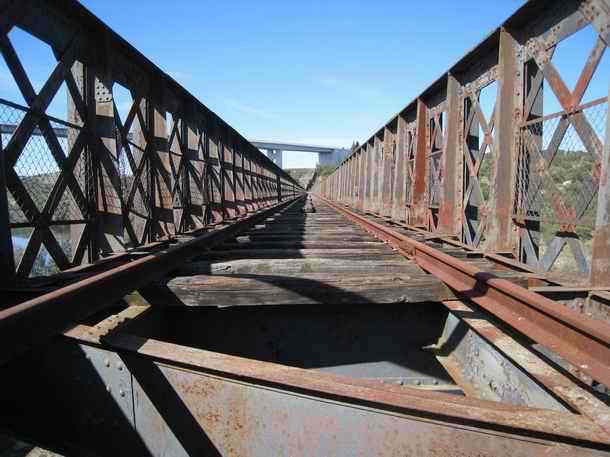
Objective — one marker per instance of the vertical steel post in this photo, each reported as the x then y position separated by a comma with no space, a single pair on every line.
7,259
252,183
377,159
341,176
421,165
348,181
109,212
398,191
600,263
78,231
342,179
239,174
500,234
337,184
178,188
247,180
258,187
387,173
228,180
208,170
355,180
278,185
360,182
194,174
450,210
161,173
367,165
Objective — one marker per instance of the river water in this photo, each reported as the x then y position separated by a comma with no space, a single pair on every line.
44,264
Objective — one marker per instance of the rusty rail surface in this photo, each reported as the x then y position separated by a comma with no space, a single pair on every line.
32,321
478,160
109,202
583,341
184,377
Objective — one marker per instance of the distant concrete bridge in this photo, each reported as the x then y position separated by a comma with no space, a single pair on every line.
275,151
327,155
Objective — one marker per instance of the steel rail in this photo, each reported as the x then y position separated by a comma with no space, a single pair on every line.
32,321
582,341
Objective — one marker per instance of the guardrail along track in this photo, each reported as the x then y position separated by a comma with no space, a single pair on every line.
484,161
167,290
305,318
96,200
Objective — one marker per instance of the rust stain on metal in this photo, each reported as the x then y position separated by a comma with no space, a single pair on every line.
582,341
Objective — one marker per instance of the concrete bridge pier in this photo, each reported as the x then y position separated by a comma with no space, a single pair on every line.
276,155
326,155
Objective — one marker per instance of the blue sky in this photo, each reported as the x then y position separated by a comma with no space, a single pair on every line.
320,72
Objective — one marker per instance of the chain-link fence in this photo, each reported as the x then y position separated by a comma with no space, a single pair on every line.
135,180
557,180
33,196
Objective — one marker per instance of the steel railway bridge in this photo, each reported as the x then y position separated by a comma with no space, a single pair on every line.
168,290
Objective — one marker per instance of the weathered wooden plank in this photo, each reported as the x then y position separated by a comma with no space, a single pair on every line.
300,253
273,244
298,266
292,230
311,288
305,237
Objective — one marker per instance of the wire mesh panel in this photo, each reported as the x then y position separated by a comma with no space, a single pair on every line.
94,163
479,117
560,152
134,165
179,177
44,159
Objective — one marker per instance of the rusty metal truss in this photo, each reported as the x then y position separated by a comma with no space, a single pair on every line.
497,180
101,180
168,291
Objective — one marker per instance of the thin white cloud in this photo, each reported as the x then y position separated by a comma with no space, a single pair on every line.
249,110
350,87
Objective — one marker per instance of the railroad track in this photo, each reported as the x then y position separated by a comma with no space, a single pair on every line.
443,292
303,304
311,254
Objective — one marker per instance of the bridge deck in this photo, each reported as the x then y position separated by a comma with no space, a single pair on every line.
306,301
168,290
